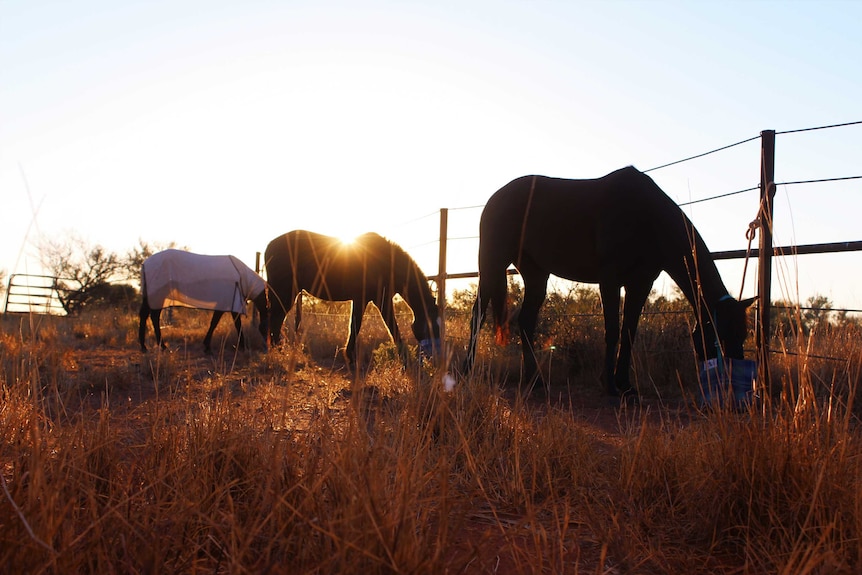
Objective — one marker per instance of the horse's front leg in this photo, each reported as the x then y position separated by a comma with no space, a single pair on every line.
276,320
209,336
535,291
154,315
387,310
356,313
610,295
143,314
237,323
155,319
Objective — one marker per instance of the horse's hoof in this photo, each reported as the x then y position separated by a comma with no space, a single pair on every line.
629,396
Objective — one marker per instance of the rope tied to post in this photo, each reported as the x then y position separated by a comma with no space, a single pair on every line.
750,234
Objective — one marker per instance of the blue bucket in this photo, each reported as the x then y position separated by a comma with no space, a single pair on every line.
728,383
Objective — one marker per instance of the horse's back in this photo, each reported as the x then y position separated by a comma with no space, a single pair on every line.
322,265
622,189
576,228
180,278
326,267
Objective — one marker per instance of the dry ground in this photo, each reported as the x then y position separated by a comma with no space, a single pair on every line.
639,489
134,385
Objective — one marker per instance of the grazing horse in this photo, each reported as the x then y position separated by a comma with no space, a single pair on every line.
218,283
368,269
619,231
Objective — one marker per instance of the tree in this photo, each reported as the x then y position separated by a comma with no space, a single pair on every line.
89,275
791,319
134,258
816,313
82,271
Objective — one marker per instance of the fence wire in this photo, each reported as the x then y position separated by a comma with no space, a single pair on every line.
818,128
819,181
703,154
719,196
686,159
414,220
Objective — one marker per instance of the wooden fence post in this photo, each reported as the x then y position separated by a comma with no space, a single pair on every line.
441,272
764,307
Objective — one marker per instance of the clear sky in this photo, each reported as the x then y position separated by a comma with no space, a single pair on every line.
220,125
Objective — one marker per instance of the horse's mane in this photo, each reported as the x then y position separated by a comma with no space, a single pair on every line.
378,245
406,273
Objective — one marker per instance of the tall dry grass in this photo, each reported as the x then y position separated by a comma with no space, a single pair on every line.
112,461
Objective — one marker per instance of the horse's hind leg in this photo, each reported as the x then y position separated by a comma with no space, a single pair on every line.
636,296
282,303
276,321
209,336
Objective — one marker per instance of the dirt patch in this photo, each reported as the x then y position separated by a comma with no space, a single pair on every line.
289,392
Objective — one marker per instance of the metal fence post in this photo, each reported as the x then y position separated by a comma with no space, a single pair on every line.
764,307
441,271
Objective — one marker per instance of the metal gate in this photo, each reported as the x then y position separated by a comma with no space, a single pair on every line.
33,294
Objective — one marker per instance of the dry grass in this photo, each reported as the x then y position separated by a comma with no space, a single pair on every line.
112,461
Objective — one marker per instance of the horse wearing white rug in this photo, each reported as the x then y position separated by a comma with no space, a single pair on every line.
219,283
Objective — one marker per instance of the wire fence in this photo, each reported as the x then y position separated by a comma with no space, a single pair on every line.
702,155
766,187
444,237
441,275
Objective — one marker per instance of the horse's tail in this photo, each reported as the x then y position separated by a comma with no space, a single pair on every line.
499,297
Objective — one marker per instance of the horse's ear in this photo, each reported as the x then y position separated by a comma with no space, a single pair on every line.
747,302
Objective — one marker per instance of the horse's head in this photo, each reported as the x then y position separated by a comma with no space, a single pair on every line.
416,292
729,323
429,339
426,323
426,329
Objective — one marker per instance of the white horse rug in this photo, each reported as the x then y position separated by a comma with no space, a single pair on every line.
179,278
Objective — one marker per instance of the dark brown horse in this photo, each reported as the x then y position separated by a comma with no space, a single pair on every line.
619,231
369,269
218,283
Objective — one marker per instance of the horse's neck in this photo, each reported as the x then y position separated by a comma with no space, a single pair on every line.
697,276
418,296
